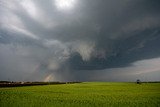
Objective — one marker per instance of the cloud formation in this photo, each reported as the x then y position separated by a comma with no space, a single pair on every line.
66,40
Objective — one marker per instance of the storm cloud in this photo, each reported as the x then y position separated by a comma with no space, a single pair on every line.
79,40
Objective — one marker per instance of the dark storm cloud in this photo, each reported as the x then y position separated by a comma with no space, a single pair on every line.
76,39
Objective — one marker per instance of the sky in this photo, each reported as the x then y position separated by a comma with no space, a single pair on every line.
79,40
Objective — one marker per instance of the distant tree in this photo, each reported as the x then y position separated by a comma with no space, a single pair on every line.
138,81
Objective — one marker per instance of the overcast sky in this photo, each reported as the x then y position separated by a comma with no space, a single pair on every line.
79,40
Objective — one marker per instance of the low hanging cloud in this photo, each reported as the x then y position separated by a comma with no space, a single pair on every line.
66,40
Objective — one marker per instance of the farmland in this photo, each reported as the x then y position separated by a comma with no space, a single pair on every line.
86,94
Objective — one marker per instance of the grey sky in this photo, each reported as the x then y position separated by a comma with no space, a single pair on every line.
79,40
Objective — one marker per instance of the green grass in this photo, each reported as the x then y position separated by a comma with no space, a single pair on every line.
87,94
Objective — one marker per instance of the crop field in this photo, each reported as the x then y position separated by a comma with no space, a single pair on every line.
86,94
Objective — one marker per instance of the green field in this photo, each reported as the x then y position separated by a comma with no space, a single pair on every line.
87,94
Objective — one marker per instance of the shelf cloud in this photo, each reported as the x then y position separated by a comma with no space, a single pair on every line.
79,40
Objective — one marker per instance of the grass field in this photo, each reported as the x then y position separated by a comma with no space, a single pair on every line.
87,94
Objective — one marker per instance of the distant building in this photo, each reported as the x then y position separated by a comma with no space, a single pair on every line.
138,81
